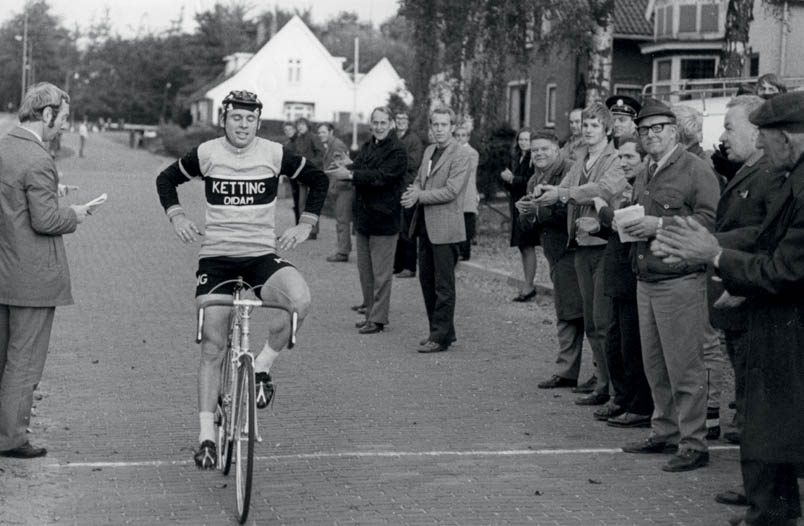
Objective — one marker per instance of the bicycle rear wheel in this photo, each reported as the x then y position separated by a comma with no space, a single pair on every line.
245,437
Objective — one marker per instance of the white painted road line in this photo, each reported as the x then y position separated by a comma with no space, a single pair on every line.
369,454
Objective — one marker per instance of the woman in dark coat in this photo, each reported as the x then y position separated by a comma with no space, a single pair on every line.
515,180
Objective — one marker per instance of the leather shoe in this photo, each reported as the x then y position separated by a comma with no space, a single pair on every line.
338,258
687,460
732,498
431,347
24,451
358,307
524,298
371,328
593,399
713,433
610,410
557,381
629,420
406,274
650,445
360,324
586,387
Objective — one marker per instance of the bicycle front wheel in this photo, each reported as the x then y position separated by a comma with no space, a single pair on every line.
226,401
245,437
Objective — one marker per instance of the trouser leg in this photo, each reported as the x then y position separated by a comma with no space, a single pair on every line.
427,275
27,333
737,345
664,420
442,328
469,224
772,492
406,251
364,272
343,219
641,401
614,356
382,255
679,311
589,268
570,345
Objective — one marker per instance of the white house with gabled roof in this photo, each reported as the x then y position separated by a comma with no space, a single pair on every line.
295,76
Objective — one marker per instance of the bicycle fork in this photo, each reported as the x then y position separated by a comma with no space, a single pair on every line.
245,350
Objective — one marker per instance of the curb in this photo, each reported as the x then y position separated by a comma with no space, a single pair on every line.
474,268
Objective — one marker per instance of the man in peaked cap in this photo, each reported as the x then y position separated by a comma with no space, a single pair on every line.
624,110
670,297
770,276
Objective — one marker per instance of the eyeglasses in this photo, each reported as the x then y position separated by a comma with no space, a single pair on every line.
655,128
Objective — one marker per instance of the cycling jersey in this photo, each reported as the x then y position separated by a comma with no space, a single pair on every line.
240,186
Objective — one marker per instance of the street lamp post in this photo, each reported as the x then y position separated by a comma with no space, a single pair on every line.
164,103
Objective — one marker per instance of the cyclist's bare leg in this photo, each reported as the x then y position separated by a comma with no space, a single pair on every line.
213,343
287,287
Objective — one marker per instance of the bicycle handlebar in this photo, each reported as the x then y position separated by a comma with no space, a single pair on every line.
231,302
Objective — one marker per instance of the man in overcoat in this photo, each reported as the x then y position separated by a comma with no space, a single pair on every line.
771,276
438,190
34,276
377,175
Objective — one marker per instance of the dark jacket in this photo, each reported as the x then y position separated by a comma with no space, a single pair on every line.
414,148
33,263
310,147
379,171
772,278
743,206
551,222
517,188
620,281
684,186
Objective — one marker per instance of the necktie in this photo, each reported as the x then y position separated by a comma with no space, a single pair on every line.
652,170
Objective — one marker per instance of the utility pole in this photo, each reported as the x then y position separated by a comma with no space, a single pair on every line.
24,55
354,99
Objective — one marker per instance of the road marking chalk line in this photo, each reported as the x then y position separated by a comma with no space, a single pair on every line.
368,454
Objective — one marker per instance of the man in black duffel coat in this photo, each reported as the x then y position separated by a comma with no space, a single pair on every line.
771,277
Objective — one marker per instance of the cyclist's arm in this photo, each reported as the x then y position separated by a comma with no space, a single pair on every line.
177,173
302,170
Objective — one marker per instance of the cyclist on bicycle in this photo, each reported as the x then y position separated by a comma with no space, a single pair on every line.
241,172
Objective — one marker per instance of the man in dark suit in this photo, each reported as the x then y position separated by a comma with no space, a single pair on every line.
34,276
438,190
770,275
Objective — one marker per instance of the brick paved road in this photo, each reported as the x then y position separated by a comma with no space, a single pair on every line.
364,429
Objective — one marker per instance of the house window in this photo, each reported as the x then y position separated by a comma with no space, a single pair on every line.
632,90
664,70
518,104
659,22
550,106
686,18
668,20
709,18
698,68
294,70
297,110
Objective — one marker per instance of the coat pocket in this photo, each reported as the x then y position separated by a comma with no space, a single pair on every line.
669,201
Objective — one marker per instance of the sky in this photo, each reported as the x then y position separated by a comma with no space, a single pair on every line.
128,15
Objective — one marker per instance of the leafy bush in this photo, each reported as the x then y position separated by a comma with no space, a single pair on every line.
177,141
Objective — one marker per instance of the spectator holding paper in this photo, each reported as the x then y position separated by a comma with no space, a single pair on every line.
670,296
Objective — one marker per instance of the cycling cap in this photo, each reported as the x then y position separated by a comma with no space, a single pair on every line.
241,100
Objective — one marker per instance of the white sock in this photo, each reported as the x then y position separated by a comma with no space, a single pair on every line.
264,360
207,421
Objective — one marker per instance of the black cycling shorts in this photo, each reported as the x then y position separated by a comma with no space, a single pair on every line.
255,271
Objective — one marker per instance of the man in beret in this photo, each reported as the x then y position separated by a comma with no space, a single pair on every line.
671,297
624,110
770,275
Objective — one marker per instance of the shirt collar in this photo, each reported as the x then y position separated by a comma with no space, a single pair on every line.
38,137
661,162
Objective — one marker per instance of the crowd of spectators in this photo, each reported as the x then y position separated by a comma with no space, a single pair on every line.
618,209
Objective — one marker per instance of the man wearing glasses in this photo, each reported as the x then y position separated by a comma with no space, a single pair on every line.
671,295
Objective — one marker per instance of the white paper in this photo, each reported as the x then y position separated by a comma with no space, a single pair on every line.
626,215
96,203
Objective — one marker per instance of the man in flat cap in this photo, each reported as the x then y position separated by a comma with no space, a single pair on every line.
624,110
671,297
770,274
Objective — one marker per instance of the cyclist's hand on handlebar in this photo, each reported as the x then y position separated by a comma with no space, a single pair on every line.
185,229
295,235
